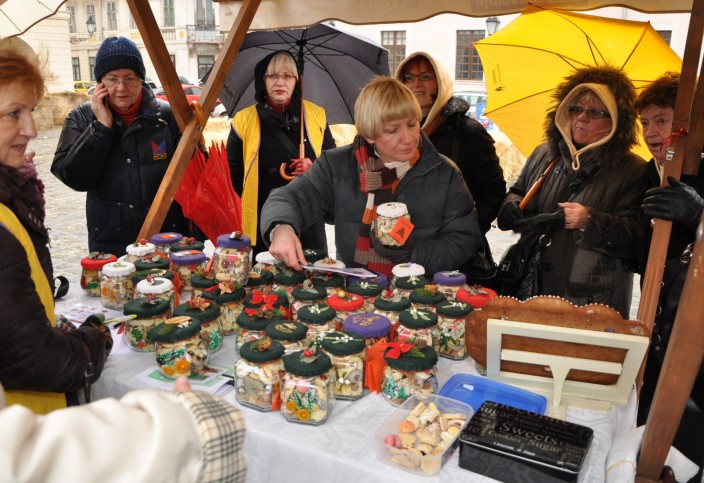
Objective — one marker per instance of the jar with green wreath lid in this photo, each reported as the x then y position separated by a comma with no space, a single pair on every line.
258,374
180,350
149,312
331,282
390,305
406,285
307,387
347,352
153,261
426,297
418,324
290,333
320,319
452,321
410,369
200,282
306,294
207,312
252,323
286,280
230,298
369,291
259,279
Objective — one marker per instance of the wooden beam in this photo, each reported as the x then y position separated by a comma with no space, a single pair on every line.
184,151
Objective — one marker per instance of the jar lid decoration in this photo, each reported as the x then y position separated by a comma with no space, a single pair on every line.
312,255
166,238
407,269
140,275
328,279
265,258
152,260
199,308
258,298
342,343
140,248
259,277
453,308
307,363
367,324
96,260
405,356
200,281
187,257
154,285
343,301
365,289
328,262
391,301
411,282
475,295
118,269
452,279
392,209
428,295
175,329
380,278
288,277
225,292
262,350
236,239
414,318
144,307
308,291
287,330
258,321
187,243
316,314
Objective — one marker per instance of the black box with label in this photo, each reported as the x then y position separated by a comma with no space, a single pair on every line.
513,445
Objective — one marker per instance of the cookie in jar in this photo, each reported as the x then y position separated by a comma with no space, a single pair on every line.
306,391
157,287
320,319
450,282
252,323
258,374
180,350
207,312
348,353
185,264
116,286
410,369
149,312
306,294
290,333
135,251
416,324
373,327
90,274
452,321
388,215
230,298
232,259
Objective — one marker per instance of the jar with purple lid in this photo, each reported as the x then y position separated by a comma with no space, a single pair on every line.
135,251
450,283
185,264
373,327
163,241
380,279
91,267
232,259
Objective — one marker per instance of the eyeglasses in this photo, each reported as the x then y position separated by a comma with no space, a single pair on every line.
423,76
592,113
275,77
127,81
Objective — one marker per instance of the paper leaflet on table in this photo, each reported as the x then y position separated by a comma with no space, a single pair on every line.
78,313
355,272
215,383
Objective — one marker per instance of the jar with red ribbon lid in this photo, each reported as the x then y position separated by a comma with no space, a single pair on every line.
259,311
410,369
230,298
232,259
475,295
307,387
345,304
258,374
91,266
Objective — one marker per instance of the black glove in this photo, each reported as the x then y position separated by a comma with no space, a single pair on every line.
678,202
508,216
95,322
542,223
401,254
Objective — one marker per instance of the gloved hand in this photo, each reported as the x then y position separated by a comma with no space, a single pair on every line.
541,223
401,254
678,202
95,322
300,165
508,216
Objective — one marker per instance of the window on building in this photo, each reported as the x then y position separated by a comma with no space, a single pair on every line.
666,35
76,67
90,10
91,65
169,19
71,19
133,24
467,62
395,42
112,15
205,62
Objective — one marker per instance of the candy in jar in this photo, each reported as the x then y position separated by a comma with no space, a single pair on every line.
229,298
116,286
232,260
320,320
452,321
426,297
207,312
135,251
158,287
180,349
150,312
415,324
347,352
450,282
163,241
186,263
410,369
290,333
344,303
91,266
258,374
387,215
306,294
306,390
373,327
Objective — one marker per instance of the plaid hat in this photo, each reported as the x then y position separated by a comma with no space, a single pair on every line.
118,53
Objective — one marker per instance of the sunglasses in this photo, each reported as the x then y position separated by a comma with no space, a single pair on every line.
592,113
424,76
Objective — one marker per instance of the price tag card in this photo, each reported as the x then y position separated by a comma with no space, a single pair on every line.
402,230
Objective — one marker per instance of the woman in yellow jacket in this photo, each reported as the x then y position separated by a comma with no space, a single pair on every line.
267,134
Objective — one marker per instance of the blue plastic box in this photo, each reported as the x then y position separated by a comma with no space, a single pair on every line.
474,390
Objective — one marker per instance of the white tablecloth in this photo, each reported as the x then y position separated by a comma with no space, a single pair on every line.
343,449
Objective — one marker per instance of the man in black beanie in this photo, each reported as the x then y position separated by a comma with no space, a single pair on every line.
117,147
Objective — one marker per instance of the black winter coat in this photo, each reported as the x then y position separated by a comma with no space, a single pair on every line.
121,169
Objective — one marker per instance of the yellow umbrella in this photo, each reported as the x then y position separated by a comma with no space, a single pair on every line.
524,61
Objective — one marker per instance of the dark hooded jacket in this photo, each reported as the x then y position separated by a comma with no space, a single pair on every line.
121,169
593,265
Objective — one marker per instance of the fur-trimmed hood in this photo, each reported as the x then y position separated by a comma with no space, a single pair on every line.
617,92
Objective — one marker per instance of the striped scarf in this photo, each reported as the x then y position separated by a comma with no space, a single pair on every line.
379,181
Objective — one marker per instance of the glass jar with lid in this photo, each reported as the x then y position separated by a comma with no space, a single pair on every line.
306,390
320,319
306,294
452,321
426,297
406,285
347,352
149,312
201,282
390,305
135,251
230,298
179,348
419,324
268,300
252,324
156,260
258,374
91,266
187,243
409,370
158,287
408,269
260,279
207,312
232,259
475,295
266,261
331,282
373,327
290,333
344,303
450,282
116,286
286,280
163,241
387,215
186,263
140,275
379,278
369,291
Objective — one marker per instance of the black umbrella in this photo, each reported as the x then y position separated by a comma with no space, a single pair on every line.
336,65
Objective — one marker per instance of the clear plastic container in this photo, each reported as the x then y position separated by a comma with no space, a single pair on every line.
387,215
233,258
412,372
116,286
348,354
258,374
307,388
91,267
